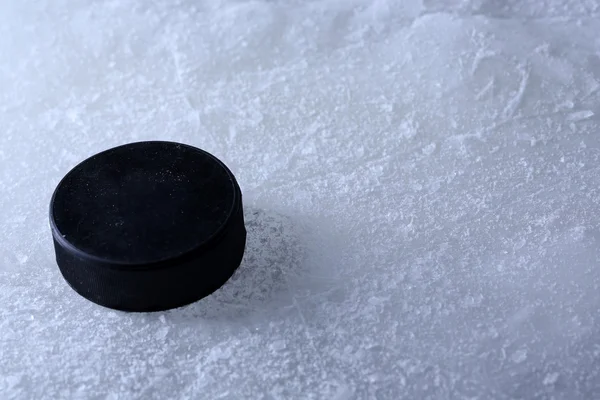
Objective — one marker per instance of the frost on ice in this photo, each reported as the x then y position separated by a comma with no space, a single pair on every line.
421,181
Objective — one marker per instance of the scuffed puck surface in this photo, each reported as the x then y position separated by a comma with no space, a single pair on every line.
144,203
421,193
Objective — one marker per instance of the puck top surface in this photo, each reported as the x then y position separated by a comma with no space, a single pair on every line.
143,203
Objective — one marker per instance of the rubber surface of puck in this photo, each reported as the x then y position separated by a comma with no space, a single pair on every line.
148,226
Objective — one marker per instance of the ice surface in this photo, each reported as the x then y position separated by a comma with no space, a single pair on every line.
421,183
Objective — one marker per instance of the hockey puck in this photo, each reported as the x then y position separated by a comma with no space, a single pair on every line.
148,226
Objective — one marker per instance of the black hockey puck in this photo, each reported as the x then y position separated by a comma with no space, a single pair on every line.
148,226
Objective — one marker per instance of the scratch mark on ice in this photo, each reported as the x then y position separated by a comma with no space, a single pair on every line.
479,57
514,103
486,89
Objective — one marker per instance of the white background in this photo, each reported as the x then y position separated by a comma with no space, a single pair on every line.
421,187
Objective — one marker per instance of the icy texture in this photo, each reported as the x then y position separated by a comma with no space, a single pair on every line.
421,182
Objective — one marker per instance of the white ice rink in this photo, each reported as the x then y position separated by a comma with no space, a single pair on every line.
421,182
